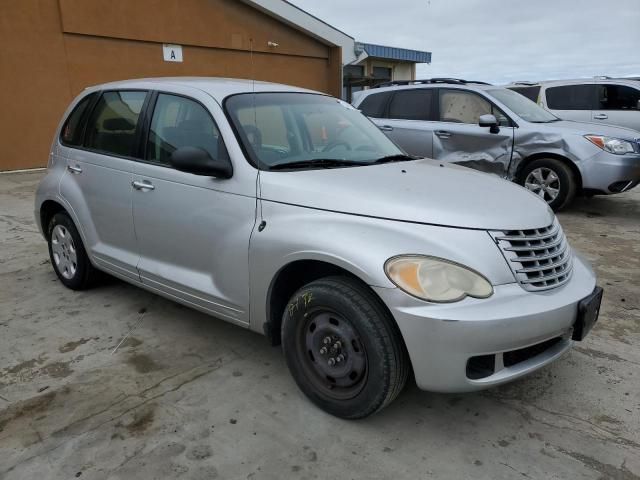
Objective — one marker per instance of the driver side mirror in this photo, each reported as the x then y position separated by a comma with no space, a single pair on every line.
489,121
198,161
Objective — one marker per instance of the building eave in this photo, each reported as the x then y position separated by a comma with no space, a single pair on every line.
301,20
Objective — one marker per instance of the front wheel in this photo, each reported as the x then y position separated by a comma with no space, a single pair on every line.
342,347
550,179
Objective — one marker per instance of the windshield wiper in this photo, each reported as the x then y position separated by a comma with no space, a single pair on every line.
396,158
316,162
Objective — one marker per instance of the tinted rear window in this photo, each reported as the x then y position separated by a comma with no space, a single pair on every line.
74,126
412,104
530,92
373,105
571,97
113,123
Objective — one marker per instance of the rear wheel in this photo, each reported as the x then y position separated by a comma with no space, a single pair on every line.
342,348
550,179
67,254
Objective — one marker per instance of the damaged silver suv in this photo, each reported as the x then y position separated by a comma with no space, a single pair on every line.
497,130
287,212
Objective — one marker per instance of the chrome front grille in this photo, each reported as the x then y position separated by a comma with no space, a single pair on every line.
539,258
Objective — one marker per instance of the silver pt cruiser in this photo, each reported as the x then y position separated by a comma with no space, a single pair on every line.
288,212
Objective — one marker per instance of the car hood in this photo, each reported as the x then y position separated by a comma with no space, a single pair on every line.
588,128
420,191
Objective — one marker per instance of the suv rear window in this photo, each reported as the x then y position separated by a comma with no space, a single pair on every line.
415,104
571,97
71,134
373,105
530,92
113,124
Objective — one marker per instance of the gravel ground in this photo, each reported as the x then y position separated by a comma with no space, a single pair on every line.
188,396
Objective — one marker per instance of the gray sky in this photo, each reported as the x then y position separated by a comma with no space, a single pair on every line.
498,40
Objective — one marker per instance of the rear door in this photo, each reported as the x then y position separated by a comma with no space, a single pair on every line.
97,183
618,105
572,102
458,137
409,120
193,231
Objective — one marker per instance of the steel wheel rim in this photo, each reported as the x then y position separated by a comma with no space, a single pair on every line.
332,355
63,250
544,182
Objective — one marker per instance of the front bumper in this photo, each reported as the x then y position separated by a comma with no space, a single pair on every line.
442,338
609,173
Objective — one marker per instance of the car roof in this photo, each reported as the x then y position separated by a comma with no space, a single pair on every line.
361,95
218,88
574,81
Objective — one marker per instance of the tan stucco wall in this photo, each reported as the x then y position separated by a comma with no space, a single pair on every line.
52,49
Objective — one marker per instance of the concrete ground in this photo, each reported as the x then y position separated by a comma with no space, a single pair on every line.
188,396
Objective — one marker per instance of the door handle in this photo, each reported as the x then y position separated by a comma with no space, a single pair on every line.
443,134
143,185
601,116
75,170
386,128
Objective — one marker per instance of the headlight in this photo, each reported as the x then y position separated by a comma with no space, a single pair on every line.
436,279
611,145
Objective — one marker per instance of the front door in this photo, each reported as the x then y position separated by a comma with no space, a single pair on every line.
193,231
458,138
98,181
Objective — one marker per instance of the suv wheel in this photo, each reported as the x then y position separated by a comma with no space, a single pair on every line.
67,253
342,348
550,179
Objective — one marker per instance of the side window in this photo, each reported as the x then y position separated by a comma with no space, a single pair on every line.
71,134
459,106
373,105
412,104
530,92
112,126
618,97
571,97
180,122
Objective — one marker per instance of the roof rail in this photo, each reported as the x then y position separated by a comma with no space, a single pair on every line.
525,82
455,81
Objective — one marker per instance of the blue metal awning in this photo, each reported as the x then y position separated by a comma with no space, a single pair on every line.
392,53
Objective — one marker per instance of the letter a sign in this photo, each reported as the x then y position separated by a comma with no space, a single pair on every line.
172,53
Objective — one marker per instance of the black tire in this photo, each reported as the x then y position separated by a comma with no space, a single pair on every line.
566,181
78,274
367,331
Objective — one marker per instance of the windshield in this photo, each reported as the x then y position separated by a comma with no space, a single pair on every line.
522,106
277,129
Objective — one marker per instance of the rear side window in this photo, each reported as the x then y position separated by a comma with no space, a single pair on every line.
112,126
571,97
71,134
415,104
373,105
530,92
179,122
618,97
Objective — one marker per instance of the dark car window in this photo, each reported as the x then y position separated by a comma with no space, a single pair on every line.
112,126
571,97
530,92
72,131
374,104
180,122
415,104
618,97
